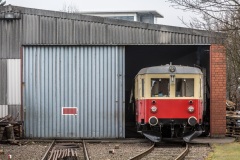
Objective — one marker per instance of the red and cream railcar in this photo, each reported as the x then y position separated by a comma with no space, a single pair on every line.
169,102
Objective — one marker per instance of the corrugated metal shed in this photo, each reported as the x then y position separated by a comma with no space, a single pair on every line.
72,35
41,27
88,78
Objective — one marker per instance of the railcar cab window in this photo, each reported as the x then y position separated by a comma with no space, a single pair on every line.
184,87
160,87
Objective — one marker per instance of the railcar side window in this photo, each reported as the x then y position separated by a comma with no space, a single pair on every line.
184,87
160,87
142,87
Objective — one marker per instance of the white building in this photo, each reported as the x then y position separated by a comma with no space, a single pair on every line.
140,16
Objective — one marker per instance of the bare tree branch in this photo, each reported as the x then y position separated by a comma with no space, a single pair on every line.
224,16
2,3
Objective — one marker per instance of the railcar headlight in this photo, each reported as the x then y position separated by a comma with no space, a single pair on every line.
153,121
172,68
190,109
192,120
154,109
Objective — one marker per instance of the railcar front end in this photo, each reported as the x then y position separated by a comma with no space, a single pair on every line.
169,102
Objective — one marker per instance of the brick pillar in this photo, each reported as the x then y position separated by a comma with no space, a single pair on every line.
217,91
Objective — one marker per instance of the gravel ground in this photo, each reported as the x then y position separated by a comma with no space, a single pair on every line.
26,151
30,150
109,151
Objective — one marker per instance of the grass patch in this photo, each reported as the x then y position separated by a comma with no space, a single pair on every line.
229,151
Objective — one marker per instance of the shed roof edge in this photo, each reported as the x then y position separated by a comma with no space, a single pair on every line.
96,19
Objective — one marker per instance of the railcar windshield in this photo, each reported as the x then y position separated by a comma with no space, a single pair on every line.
184,87
160,87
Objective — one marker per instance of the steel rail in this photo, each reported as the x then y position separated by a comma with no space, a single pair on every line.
183,154
48,150
143,154
85,150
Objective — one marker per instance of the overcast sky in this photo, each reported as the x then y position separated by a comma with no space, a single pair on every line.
171,15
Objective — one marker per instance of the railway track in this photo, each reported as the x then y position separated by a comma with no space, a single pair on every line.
121,149
198,151
165,151
66,151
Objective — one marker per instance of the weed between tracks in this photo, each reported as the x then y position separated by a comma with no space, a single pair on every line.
230,151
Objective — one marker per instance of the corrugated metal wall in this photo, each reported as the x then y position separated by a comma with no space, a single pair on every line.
10,39
14,81
3,110
3,82
15,112
89,78
10,95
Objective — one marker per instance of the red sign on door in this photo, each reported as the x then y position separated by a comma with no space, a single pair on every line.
69,110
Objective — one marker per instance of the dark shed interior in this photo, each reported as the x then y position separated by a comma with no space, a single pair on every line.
138,57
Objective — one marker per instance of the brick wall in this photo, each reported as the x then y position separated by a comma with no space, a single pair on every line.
217,91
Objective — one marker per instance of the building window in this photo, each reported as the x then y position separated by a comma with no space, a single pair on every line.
160,87
184,87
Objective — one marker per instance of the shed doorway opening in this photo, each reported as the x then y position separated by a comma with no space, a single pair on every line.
138,57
